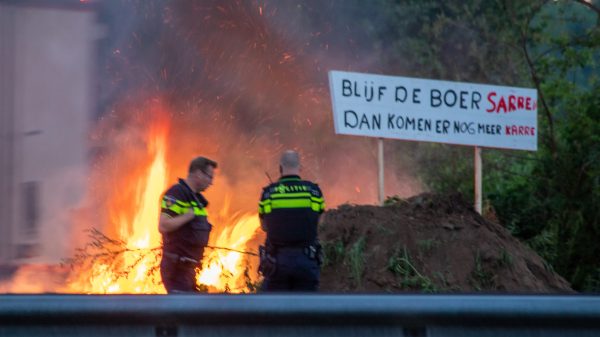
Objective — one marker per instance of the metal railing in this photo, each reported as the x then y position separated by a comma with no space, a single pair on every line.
300,315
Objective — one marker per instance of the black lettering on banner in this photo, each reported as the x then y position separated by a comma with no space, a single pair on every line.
395,122
424,124
451,98
361,121
463,99
380,92
364,121
435,98
408,123
490,129
377,121
346,88
400,122
374,123
480,128
369,91
475,101
464,127
350,119
415,95
441,126
404,93
350,88
450,101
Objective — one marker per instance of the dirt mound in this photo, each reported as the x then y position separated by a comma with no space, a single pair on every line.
429,243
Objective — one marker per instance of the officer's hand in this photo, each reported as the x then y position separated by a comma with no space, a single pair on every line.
191,214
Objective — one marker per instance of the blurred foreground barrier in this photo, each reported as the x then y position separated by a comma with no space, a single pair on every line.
299,315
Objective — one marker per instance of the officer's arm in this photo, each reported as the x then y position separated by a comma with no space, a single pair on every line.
168,223
318,198
264,207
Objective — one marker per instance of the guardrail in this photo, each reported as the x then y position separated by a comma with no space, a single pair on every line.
300,315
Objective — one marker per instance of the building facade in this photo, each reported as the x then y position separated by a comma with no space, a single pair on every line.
46,107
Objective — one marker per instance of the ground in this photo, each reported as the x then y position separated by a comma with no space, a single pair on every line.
427,243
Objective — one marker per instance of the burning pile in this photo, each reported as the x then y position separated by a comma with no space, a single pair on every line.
234,81
130,264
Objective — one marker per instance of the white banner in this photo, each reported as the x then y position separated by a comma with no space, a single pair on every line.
434,111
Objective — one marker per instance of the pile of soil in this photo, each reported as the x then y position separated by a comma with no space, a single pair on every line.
427,243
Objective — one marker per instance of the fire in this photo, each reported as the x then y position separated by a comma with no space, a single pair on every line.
134,266
222,269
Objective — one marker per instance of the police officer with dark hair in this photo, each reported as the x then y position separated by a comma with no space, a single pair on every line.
289,212
184,226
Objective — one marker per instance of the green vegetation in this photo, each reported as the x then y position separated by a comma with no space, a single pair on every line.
401,264
336,253
356,260
333,252
392,200
506,260
548,198
482,279
426,246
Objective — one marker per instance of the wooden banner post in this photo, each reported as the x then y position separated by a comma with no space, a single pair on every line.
380,164
478,184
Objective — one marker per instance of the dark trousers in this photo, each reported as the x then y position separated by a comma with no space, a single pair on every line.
177,277
295,271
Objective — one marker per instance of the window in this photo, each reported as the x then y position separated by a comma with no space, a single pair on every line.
30,207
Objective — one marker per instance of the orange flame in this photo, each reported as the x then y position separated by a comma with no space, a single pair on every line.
136,270
222,269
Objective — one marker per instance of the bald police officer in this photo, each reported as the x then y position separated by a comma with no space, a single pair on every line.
289,211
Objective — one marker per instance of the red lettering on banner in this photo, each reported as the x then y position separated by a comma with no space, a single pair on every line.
501,105
520,102
510,103
490,99
519,130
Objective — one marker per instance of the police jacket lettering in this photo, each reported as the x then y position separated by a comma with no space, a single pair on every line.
289,211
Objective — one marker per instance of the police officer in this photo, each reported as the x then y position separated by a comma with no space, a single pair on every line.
289,211
184,227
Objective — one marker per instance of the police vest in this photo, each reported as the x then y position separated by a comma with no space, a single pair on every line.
190,239
289,210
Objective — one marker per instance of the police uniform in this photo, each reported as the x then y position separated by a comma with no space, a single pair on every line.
289,210
183,248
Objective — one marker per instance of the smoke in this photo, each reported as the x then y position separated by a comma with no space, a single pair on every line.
244,80
238,82
235,81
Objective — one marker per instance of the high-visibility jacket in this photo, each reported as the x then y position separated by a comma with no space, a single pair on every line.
289,211
190,239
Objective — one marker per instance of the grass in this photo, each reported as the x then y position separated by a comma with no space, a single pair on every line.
426,246
482,279
356,260
401,264
506,260
333,252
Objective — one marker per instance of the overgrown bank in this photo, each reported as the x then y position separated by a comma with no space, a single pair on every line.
428,243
